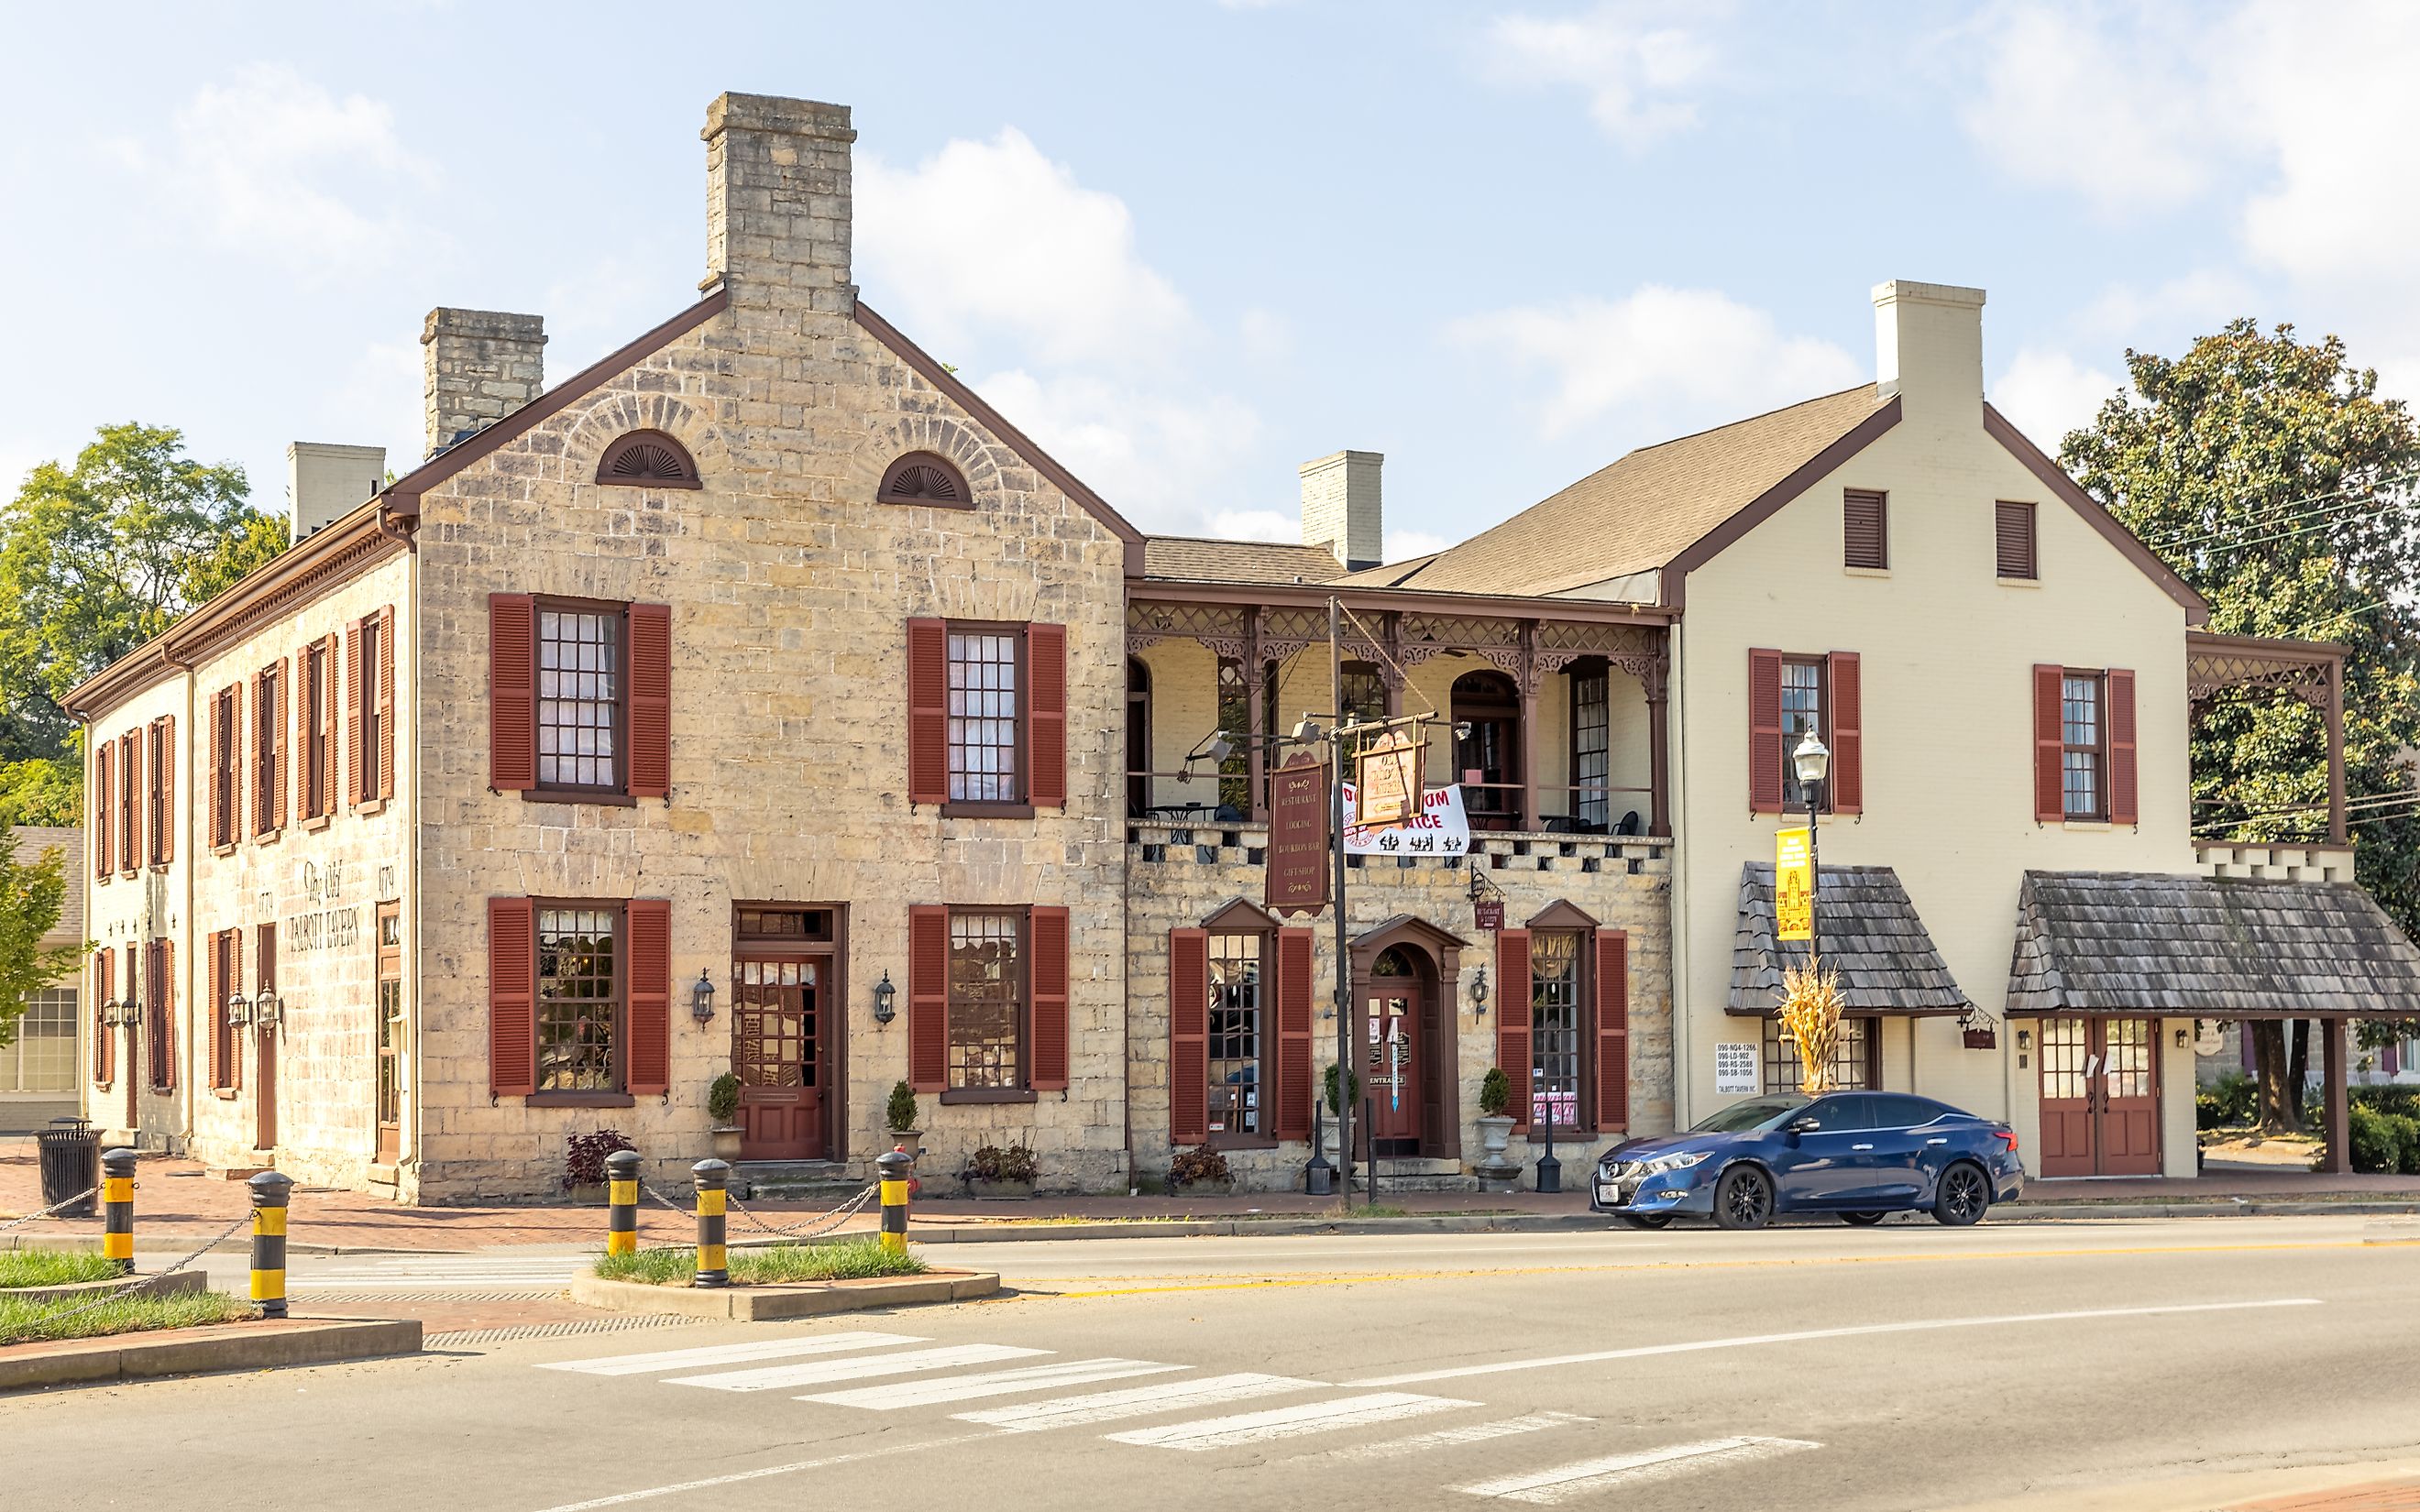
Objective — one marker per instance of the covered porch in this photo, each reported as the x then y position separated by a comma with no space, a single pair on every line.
1551,724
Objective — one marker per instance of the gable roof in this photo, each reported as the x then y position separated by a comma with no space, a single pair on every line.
1196,559
1656,502
1870,935
2054,478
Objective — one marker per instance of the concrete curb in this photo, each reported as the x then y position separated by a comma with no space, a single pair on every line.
159,1286
259,1345
802,1299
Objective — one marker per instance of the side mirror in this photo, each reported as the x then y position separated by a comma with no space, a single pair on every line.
1805,1123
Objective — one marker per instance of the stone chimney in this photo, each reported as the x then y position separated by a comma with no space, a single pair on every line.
1340,512
325,481
777,203
1928,350
479,367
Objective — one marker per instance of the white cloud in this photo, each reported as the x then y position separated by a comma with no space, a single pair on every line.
272,164
2196,301
2046,394
1165,461
1669,358
1256,525
1634,66
992,238
1403,544
1267,335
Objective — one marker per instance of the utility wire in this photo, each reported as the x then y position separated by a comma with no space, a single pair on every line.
2283,509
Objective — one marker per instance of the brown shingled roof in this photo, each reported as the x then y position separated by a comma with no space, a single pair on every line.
1870,935
1192,559
1649,507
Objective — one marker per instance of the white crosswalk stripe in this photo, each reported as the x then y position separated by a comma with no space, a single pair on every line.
900,1393
1550,1488
1503,1428
1136,1401
637,1364
1289,1422
780,1376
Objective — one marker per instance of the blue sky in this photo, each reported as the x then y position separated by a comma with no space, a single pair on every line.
1188,244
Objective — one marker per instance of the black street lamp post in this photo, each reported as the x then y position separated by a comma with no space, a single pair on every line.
1813,761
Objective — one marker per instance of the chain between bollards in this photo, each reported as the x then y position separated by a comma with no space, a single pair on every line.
118,1209
713,1178
271,1192
622,1202
896,1167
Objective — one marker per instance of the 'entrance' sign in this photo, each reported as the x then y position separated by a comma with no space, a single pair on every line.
1298,871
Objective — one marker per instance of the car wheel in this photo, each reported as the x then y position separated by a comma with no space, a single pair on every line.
1647,1220
1743,1198
1863,1220
1963,1194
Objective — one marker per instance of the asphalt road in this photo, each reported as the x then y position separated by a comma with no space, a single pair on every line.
1818,1367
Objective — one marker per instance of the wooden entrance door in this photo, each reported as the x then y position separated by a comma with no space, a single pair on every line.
2100,1096
774,1053
389,1033
1391,1064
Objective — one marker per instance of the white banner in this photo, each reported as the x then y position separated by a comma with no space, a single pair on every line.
1443,827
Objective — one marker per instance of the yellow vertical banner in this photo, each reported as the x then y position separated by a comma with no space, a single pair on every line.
1794,886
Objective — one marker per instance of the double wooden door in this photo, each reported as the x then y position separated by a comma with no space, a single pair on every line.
776,1052
2100,1096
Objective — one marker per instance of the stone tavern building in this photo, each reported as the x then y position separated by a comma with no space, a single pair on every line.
760,699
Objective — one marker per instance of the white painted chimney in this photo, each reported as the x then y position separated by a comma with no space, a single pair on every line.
1340,508
1928,350
324,481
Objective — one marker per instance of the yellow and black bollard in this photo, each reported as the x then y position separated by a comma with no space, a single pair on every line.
118,1209
711,1175
622,1202
271,1190
896,1167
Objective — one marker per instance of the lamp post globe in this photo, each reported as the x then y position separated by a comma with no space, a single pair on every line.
1813,760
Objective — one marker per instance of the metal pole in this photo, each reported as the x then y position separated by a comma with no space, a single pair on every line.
1343,950
1550,1170
1814,880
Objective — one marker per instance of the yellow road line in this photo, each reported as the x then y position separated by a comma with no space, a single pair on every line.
1351,1278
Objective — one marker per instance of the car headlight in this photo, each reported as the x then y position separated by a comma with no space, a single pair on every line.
1677,1160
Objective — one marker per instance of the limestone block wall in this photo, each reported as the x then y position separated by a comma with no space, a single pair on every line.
1180,875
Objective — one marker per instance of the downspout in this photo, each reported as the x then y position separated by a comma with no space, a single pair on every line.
1126,919
1676,765
185,860
407,1153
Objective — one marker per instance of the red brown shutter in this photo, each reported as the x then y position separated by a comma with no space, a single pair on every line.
1612,1031
1047,1063
2123,807
385,785
1848,734
928,998
217,1010
163,816
648,1069
512,691
2050,802
216,788
651,701
1512,997
104,1038
167,1015
2013,540
512,993
101,815
357,757
1045,716
1764,732
1188,1036
928,711
1294,1034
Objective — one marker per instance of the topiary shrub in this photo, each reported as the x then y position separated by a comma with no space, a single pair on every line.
900,1112
1495,1093
722,1098
1352,1085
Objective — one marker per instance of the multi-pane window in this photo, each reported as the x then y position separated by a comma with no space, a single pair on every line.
579,698
1555,1028
1592,745
1236,1030
319,793
1235,720
1853,1056
579,998
226,779
2081,753
155,795
1802,710
43,1058
983,717
1365,694
130,810
368,716
986,998
268,749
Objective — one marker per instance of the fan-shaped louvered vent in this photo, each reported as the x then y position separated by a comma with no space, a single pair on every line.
923,478
647,459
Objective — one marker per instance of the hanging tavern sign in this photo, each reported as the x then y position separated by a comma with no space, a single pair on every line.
1387,779
1297,872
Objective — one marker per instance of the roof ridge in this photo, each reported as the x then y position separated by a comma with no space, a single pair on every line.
1744,420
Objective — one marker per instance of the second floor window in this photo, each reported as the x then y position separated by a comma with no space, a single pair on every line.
1592,744
1802,710
984,710
2082,749
578,698
162,794
227,767
269,751
319,712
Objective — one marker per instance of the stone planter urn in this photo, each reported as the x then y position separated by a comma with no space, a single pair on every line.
999,1191
910,1140
1207,1189
1497,1171
726,1141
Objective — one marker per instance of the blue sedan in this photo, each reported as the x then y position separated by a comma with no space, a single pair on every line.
1856,1154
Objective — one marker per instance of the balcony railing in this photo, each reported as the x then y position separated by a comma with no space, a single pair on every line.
2276,861
1212,842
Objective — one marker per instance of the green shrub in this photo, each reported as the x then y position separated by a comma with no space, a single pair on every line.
2392,1098
1352,1088
2227,1103
722,1098
2378,1139
900,1112
1496,1093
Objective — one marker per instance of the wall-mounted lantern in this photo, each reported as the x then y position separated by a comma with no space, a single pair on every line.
701,998
267,1008
884,999
239,1010
1479,992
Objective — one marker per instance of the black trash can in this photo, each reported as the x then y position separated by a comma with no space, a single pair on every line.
70,1152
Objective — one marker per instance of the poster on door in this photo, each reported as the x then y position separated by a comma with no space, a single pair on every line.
1443,827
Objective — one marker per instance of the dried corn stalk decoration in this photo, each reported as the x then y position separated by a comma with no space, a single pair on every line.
1810,1015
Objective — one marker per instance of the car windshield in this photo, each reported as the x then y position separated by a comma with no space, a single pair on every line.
1756,1113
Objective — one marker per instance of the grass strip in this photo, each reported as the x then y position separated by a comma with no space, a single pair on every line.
849,1260
24,1320
52,1267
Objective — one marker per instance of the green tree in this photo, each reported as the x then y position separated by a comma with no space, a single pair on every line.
31,895
96,559
2272,475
